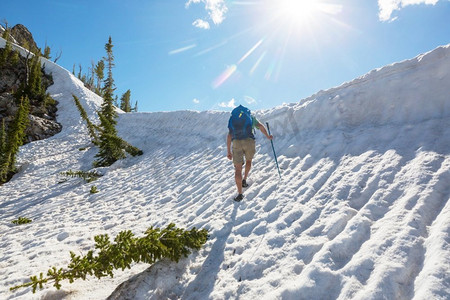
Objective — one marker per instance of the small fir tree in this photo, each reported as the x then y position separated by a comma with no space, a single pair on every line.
46,52
108,110
14,139
110,150
110,147
14,58
6,29
99,73
87,176
80,71
7,50
21,221
35,89
125,101
91,79
116,141
94,190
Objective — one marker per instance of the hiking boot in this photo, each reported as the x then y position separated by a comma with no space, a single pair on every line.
244,183
238,198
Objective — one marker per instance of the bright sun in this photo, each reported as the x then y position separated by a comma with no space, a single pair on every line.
297,11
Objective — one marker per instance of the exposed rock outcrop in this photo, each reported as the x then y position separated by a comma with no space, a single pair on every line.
24,37
21,36
42,116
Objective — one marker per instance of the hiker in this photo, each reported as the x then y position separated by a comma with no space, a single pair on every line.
240,126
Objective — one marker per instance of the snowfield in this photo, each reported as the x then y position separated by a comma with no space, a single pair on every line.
362,210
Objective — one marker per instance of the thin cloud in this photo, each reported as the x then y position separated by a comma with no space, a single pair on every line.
191,1
229,104
250,100
196,101
387,7
216,9
199,23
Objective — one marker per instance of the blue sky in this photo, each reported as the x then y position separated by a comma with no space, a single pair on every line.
211,54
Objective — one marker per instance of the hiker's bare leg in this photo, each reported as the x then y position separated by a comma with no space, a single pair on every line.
248,166
238,177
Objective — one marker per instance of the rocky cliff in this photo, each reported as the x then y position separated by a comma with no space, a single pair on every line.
42,116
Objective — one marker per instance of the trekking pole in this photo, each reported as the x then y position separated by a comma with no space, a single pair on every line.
274,154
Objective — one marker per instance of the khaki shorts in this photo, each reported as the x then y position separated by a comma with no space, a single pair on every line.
243,148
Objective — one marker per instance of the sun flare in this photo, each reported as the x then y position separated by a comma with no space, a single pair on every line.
297,10
282,27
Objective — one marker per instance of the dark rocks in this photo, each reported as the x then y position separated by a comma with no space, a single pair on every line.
12,76
41,128
42,116
24,37
8,106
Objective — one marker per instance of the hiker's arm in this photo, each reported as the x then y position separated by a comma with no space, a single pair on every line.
229,155
264,131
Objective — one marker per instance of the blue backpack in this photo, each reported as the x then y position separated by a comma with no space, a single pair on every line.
240,123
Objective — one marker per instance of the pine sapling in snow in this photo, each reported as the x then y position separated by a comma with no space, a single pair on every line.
21,221
94,190
172,243
87,176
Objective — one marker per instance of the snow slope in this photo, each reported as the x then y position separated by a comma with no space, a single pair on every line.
361,212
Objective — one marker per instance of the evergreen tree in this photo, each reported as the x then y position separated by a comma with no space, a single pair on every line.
80,69
91,76
14,139
84,79
5,33
35,90
7,50
107,109
32,87
91,127
14,57
104,135
171,243
110,150
99,72
47,52
125,102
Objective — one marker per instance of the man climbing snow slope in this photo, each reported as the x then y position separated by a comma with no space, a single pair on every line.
240,133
